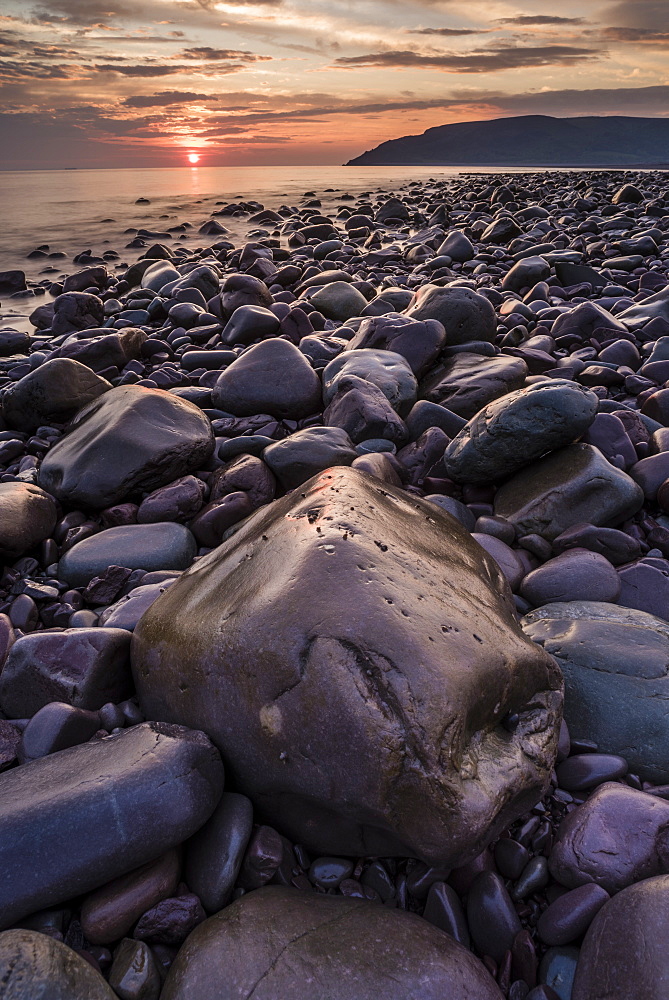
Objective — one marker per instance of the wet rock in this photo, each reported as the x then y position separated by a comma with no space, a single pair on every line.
214,855
493,921
465,314
134,974
249,323
167,779
468,382
52,392
99,353
130,440
210,525
624,952
354,650
274,941
247,474
240,290
570,915
83,667
444,910
76,311
262,859
362,410
34,966
304,454
55,727
171,920
272,377
137,546
418,342
388,371
27,516
614,663
567,487
557,970
616,837
586,770
517,429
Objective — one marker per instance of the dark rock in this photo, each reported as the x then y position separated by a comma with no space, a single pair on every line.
587,770
339,300
493,921
614,665
272,377
363,411
100,353
247,474
388,371
306,453
52,392
465,314
275,941
467,382
249,323
210,525
624,953
164,779
327,873
214,855
84,667
418,342
557,970
170,921
644,585
570,915
134,974
575,575
262,858
12,281
165,545
444,910
178,501
27,517
616,837
55,727
128,441
570,486
616,546
353,649
517,429
76,311
34,966
240,290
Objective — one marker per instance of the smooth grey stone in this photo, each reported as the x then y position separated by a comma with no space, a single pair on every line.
390,372
305,453
467,382
271,377
444,909
214,855
126,612
533,878
526,273
34,966
518,428
615,666
320,566
458,247
163,545
570,486
159,274
424,414
419,341
465,314
78,818
249,323
338,300
277,942
247,444
624,953
570,915
361,409
130,440
52,392
83,667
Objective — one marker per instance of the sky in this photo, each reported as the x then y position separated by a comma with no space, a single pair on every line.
118,83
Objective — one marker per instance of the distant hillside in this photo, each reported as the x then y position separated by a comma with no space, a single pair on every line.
530,141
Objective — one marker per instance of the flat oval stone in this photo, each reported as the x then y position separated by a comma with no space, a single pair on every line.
348,637
27,517
492,918
575,575
517,429
616,837
165,780
614,661
128,441
273,942
624,953
567,487
214,855
587,770
34,966
164,545
570,915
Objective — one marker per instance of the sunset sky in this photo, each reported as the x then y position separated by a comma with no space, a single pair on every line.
95,83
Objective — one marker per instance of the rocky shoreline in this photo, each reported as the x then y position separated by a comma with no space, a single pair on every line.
334,611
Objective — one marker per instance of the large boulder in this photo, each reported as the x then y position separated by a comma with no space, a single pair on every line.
571,486
467,382
624,954
466,315
127,442
518,428
27,516
355,654
34,966
280,943
51,393
74,820
615,663
271,377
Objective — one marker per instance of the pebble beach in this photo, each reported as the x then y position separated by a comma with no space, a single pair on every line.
334,604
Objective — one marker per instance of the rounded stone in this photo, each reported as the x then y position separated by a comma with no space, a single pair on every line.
34,966
52,392
465,314
364,596
128,441
280,943
214,855
27,517
388,371
575,575
339,301
467,381
271,377
164,545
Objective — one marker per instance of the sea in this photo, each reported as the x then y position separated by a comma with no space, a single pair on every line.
72,211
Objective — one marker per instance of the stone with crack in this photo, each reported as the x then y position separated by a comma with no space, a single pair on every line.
355,656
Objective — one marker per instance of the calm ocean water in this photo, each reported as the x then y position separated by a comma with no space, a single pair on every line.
65,208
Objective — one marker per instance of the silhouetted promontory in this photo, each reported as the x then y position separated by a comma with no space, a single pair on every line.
530,140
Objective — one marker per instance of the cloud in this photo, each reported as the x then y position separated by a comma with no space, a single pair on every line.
637,36
526,20
478,60
206,52
147,70
166,98
448,32
650,14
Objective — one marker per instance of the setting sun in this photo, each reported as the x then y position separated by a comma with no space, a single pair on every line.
193,158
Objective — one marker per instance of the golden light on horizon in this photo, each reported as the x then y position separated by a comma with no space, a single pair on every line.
193,158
